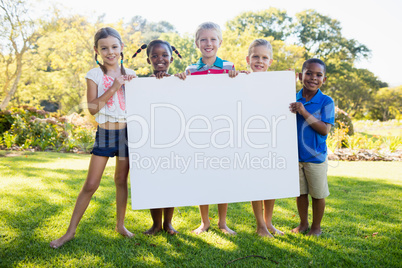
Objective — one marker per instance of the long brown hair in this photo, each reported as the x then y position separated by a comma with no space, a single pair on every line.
104,33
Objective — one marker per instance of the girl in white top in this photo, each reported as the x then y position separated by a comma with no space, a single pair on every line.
106,100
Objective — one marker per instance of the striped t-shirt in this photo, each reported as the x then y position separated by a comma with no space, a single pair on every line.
219,67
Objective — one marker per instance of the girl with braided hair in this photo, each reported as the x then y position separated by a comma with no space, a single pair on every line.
106,100
160,56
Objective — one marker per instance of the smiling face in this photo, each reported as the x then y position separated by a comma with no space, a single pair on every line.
109,49
208,43
259,59
313,76
160,58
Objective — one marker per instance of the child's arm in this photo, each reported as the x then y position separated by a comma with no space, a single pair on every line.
95,103
321,127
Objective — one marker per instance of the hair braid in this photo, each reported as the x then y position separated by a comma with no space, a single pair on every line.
144,46
155,42
123,71
103,68
176,51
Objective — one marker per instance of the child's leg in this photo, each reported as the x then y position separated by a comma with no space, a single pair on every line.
318,213
269,210
96,168
156,214
120,180
318,190
302,207
204,211
167,221
222,212
258,213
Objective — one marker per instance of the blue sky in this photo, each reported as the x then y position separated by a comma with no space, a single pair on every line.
376,24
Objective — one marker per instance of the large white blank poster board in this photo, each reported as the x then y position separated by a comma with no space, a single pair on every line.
211,139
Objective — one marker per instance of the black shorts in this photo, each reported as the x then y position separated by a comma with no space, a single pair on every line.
110,143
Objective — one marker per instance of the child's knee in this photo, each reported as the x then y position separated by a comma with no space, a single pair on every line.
90,187
120,180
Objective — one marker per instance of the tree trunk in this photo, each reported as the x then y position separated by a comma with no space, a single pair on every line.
14,87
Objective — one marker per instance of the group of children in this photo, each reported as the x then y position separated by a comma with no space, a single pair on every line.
105,96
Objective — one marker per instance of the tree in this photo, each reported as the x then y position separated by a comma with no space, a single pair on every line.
150,30
138,24
17,34
270,22
321,37
187,49
387,104
59,52
285,56
352,89
62,55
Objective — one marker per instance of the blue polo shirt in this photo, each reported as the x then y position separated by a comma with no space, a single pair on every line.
220,66
313,146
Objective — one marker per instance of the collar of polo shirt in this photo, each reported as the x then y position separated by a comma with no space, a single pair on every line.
218,63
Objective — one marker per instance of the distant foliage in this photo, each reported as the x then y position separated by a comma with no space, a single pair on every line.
30,128
53,67
339,137
386,104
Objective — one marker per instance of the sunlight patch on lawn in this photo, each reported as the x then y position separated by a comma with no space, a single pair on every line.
217,241
367,169
60,163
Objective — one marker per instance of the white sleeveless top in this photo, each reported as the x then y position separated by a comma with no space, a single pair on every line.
115,108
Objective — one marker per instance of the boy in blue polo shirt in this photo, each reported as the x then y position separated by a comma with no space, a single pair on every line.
208,39
315,115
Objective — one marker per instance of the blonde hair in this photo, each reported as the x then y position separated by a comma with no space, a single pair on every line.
208,26
261,42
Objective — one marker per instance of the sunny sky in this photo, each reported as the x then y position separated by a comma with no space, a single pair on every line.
375,24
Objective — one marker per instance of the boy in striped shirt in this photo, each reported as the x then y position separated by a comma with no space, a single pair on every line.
208,39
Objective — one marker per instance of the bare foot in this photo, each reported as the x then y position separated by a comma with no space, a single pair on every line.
201,229
169,229
299,229
225,229
275,231
314,232
61,241
263,231
153,230
124,232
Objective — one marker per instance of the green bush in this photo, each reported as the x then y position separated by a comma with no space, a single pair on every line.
6,121
339,134
342,120
393,143
364,138
29,127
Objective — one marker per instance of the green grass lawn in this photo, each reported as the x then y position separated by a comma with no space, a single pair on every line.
361,225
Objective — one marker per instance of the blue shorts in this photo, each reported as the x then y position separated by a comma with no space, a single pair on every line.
110,143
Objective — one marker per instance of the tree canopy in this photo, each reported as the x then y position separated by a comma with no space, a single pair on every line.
47,63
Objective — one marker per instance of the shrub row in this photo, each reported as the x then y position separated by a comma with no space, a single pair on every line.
31,128
339,138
